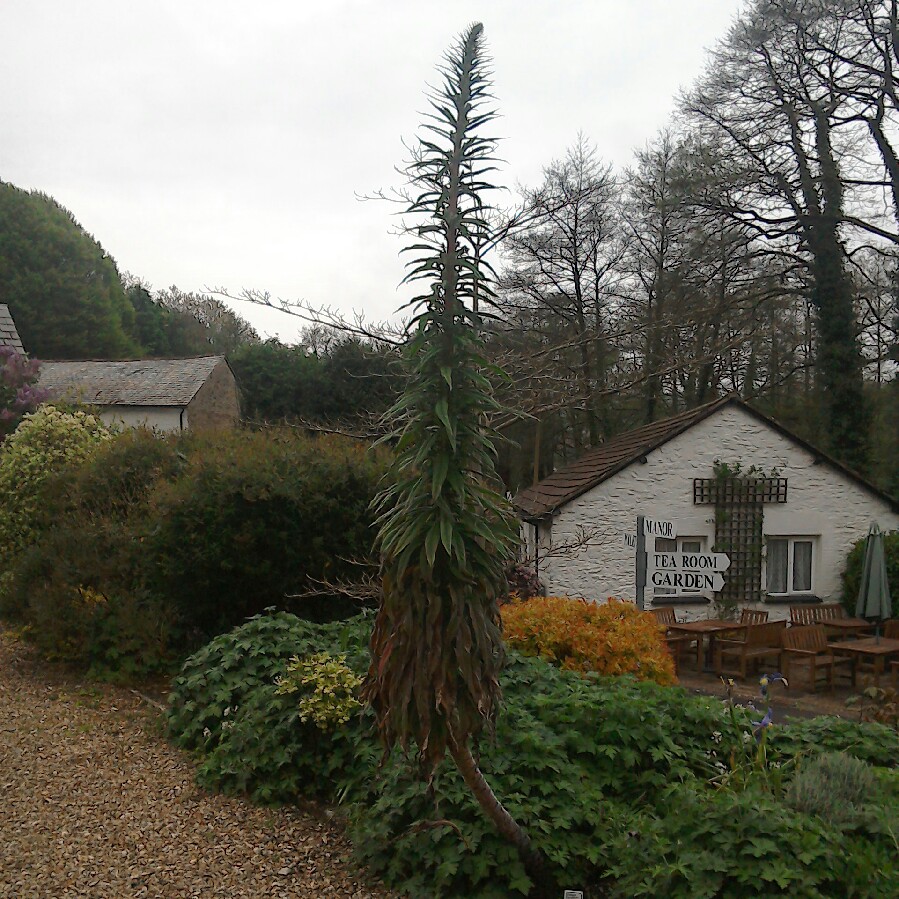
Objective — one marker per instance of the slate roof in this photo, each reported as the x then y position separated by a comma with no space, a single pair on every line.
9,336
599,464
141,382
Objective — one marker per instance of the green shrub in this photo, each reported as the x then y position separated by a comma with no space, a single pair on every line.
46,442
852,574
255,517
88,543
735,845
831,786
225,705
183,536
876,744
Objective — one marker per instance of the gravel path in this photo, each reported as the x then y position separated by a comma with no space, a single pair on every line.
93,802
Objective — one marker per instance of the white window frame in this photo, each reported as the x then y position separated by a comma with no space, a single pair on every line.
791,541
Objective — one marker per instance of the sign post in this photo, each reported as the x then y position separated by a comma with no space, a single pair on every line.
678,571
689,561
655,527
641,563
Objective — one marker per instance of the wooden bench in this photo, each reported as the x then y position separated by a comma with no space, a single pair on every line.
808,645
758,642
832,616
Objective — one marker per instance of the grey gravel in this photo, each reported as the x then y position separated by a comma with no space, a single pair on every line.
94,802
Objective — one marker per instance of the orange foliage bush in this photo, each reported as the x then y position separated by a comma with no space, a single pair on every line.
608,638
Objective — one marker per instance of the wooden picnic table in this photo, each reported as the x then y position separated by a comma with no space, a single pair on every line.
706,627
873,649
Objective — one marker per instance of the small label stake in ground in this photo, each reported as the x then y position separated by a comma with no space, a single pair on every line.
573,894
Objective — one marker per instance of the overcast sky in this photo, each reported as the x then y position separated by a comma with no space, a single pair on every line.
209,142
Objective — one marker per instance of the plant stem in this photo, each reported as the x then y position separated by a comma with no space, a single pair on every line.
496,812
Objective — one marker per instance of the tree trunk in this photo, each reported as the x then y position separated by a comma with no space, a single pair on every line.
504,823
840,360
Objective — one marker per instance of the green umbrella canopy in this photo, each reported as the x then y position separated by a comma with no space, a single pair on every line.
874,591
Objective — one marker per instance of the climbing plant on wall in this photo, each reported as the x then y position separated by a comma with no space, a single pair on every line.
739,497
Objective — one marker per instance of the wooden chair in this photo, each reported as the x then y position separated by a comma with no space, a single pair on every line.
803,616
676,642
891,629
747,617
753,616
808,645
759,641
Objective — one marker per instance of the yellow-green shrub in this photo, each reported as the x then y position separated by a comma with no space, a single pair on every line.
609,638
45,443
326,688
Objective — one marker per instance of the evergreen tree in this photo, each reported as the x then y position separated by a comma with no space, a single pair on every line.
62,288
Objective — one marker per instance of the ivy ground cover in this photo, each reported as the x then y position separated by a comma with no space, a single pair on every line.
628,788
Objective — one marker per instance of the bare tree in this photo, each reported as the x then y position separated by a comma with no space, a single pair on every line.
558,285
784,131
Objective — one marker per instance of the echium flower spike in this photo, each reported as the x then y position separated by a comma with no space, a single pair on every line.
445,529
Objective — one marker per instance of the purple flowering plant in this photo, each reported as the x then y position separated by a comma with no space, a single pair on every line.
18,393
749,759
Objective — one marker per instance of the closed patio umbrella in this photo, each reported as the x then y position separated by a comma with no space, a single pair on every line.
873,600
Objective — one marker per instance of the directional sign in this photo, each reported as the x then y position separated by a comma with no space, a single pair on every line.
689,561
686,580
654,527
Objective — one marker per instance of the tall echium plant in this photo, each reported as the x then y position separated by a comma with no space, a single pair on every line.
445,529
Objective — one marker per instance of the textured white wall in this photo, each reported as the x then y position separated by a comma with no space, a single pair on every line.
820,501
162,418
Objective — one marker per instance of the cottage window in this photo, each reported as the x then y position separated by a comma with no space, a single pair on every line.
678,545
789,564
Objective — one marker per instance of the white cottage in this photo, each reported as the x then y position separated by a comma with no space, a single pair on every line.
730,479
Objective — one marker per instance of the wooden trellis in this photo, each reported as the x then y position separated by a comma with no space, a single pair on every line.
739,513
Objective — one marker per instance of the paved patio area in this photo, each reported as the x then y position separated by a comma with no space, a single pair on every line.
794,701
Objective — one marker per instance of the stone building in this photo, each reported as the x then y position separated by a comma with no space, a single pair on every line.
164,394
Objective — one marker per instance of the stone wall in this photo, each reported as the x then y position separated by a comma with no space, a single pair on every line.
216,404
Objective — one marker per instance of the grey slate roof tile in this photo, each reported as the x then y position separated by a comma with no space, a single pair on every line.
9,336
141,382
